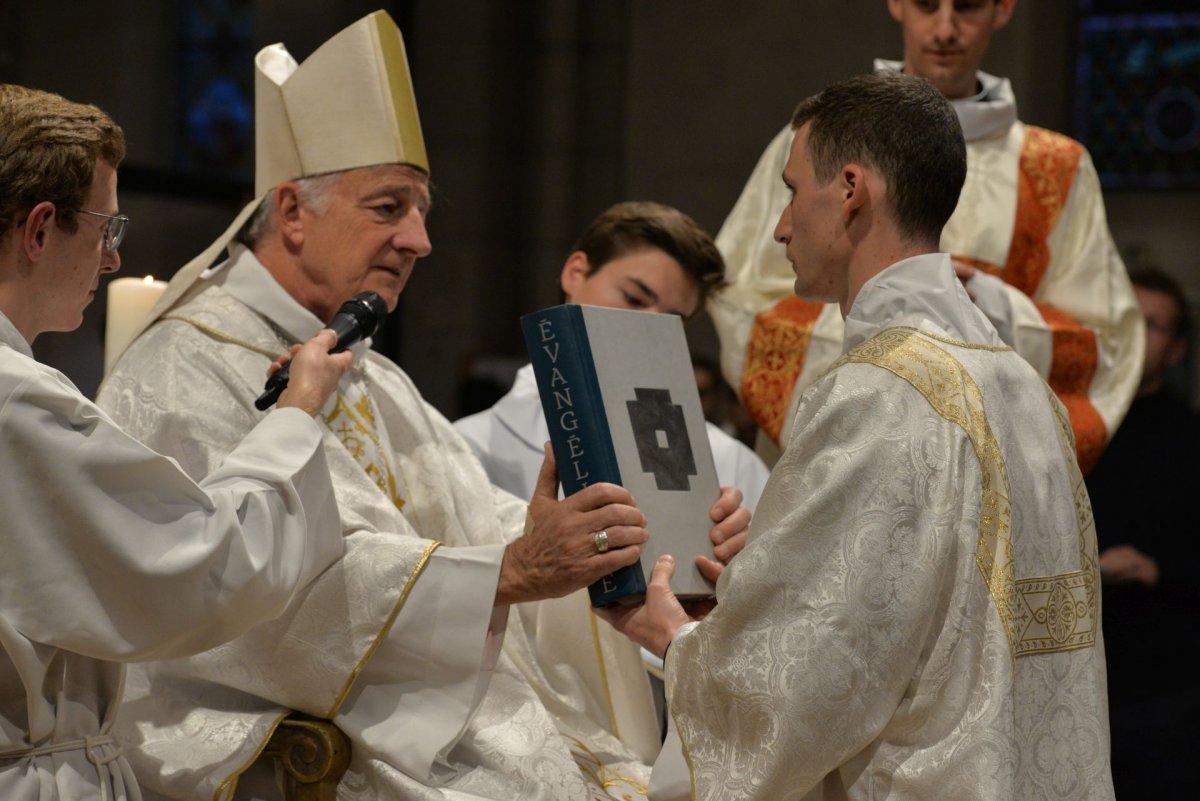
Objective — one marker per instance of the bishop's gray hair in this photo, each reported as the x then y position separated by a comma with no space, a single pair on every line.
316,192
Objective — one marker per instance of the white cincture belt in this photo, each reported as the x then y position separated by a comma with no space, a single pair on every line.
90,747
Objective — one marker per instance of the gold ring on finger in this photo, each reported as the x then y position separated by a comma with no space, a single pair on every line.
601,539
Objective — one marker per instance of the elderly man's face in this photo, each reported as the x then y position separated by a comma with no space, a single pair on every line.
368,238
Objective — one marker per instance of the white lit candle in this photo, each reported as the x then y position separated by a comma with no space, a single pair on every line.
129,301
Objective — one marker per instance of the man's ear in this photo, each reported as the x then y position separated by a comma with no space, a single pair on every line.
574,272
287,209
1004,12
896,9
40,225
853,187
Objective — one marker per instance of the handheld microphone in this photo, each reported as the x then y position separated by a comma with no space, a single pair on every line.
357,319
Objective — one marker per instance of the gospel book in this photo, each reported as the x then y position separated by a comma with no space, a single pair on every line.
621,403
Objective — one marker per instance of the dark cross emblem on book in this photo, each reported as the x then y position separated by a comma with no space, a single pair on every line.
662,438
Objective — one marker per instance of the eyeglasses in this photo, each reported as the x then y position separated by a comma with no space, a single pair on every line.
114,228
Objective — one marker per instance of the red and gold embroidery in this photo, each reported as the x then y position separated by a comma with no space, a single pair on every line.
1048,165
1071,372
774,359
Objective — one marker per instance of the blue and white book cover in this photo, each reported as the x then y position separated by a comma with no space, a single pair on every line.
652,414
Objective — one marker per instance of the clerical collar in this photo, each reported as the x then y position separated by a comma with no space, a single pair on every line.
921,291
991,111
244,277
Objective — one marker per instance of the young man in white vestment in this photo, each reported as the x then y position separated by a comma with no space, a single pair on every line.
1029,238
915,614
408,645
111,553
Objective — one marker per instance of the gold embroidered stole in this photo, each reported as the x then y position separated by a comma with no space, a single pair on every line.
354,421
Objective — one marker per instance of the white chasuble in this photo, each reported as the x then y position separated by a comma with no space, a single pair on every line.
916,612
398,644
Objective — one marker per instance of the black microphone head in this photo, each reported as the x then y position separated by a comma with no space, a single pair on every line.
357,319
367,309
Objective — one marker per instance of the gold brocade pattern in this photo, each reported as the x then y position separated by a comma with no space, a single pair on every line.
1078,595
1048,164
1076,358
352,419
1039,614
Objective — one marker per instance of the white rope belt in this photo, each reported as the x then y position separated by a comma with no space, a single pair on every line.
89,745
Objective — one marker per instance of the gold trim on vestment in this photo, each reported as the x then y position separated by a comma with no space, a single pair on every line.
228,786
1040,614
1074,594
221,335
361,421
958,343
598,772
383,631
612,712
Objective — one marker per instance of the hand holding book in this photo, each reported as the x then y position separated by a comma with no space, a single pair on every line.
653,622
557,555
728,535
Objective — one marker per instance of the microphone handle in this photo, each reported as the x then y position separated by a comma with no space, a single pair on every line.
276,384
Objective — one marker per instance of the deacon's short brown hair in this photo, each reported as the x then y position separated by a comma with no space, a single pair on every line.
901,126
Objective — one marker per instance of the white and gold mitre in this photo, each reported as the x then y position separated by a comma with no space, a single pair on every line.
350,104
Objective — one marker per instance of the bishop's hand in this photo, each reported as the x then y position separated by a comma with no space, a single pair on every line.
570,543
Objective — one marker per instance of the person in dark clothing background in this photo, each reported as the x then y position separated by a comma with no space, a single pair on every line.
1149,554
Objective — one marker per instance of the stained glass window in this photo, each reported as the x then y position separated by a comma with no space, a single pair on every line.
1137,107
216,88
